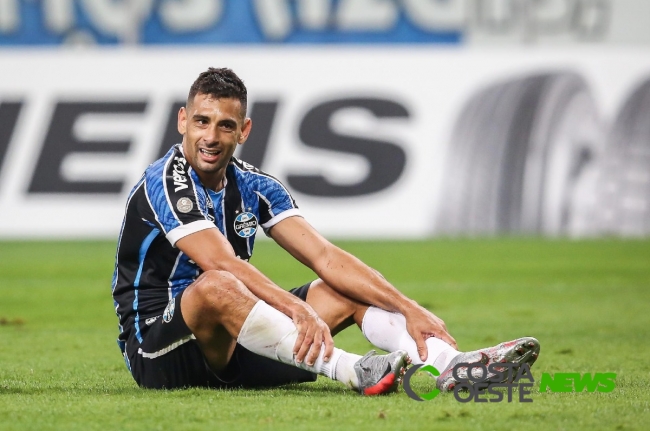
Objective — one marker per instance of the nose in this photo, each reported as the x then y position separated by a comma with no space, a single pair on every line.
210,135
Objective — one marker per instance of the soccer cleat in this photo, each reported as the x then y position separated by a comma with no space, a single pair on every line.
380,374
520,351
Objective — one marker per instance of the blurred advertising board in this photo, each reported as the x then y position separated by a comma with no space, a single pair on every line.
373,143
209,22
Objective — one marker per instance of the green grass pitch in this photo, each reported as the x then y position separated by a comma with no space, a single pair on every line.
588,302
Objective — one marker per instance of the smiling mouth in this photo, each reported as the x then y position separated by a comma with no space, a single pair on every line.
210,153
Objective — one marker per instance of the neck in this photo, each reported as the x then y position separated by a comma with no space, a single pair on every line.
212,180
221,184
215,182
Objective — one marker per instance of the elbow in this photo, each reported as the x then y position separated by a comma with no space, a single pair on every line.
220,263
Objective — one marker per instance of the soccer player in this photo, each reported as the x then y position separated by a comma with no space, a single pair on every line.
194,313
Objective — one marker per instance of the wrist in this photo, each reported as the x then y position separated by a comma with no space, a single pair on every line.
297,308
405,306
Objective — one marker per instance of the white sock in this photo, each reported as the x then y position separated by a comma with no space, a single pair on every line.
387,331
272,334
344,371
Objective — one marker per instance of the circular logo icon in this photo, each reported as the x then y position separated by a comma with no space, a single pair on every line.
246,225
429,369
184,205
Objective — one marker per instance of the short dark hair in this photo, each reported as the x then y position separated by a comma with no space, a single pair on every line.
220,83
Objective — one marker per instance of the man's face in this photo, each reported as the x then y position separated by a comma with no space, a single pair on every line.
212,128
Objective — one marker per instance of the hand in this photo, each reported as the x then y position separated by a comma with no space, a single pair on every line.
422,324
312,333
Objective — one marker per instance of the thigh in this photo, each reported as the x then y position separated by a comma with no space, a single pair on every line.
336,310
183,367
215,307
302,291
169,357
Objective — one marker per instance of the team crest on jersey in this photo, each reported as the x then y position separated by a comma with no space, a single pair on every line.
184,205
246,225
169,311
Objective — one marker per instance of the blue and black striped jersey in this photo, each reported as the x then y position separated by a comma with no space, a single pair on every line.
168,203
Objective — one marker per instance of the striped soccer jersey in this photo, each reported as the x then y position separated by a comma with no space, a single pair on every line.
168,203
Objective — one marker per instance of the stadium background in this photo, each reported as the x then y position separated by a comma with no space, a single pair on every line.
388,120
469,117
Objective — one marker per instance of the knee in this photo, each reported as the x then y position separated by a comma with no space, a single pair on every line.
217,289
321,292
219,279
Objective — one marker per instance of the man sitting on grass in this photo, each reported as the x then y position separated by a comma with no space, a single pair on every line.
194,313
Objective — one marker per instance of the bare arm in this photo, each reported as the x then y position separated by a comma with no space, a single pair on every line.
351,277
212,251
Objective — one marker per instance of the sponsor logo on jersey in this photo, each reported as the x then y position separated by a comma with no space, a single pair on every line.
169,311
246,225
184,205
180,178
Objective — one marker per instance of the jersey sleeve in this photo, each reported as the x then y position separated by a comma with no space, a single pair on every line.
177,199
275,202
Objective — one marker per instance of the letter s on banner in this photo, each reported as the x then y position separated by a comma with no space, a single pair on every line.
387,160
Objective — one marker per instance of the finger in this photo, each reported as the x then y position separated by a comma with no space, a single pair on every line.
444,336
304,348
451,341
315,349
329,346
422,348
299,341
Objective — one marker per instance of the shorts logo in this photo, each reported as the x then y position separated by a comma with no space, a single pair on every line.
246,225
150,321
184,205
169,311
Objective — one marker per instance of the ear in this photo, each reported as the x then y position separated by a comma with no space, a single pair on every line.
182,120
245,130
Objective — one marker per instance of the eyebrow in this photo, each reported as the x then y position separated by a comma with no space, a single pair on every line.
228,122
196,117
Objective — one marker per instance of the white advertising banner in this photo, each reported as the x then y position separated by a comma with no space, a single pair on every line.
386,142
